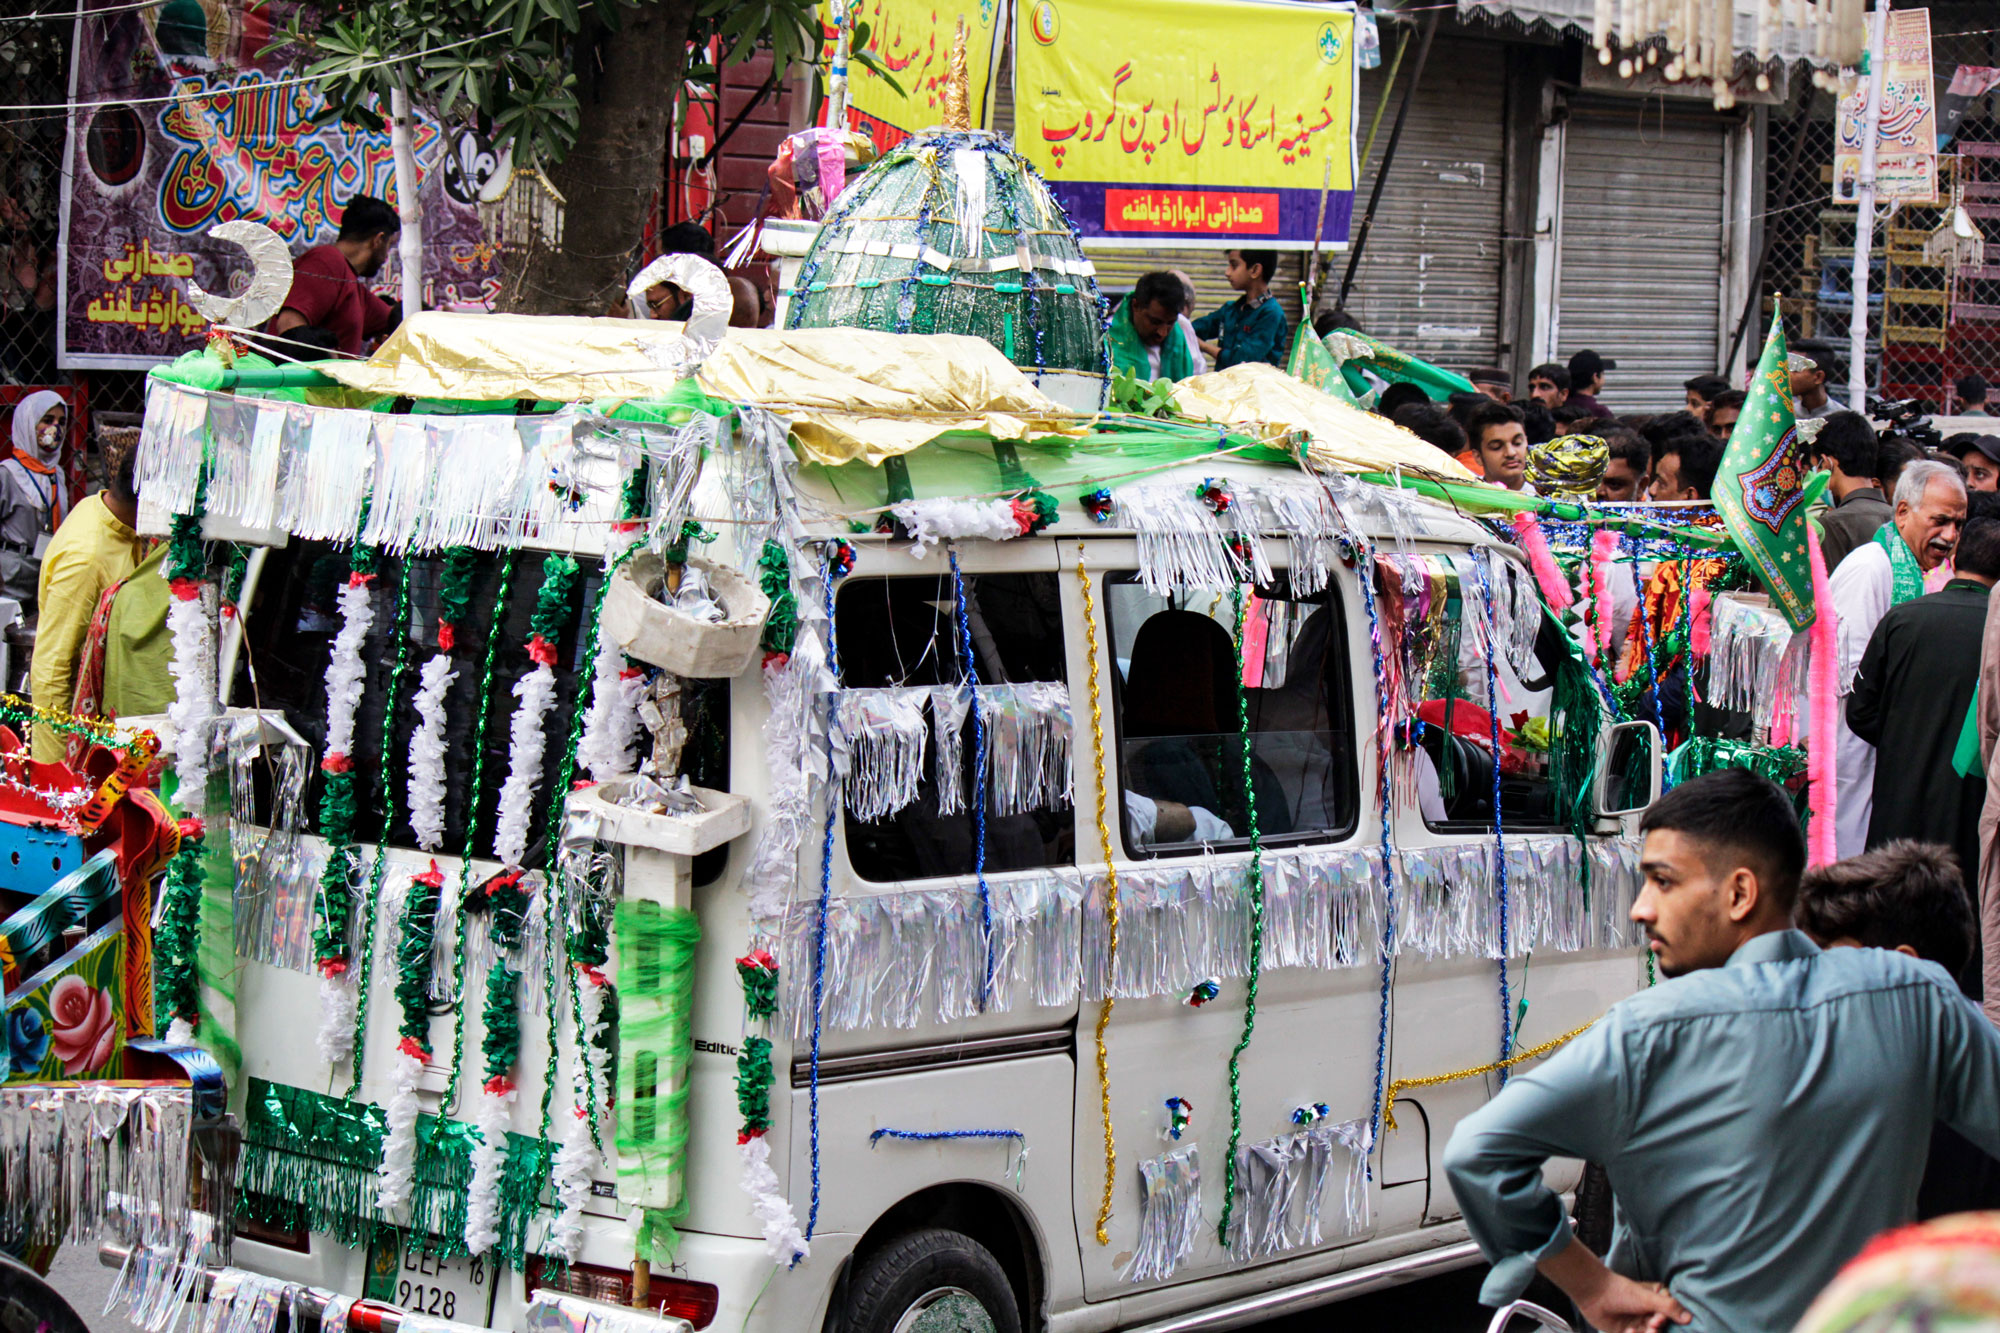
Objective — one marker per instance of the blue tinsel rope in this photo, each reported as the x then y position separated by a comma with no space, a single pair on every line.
929,1135
1365,566
827,576
1483,563
971,667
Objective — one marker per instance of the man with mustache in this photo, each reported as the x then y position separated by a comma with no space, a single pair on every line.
1762,1115
1886,571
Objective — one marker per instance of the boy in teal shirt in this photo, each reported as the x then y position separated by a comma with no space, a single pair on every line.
1252,327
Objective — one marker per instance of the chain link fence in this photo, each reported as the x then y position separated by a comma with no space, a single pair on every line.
1933,302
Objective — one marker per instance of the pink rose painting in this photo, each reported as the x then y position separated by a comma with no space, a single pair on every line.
81,1024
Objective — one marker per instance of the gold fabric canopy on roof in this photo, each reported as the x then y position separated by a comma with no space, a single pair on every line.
486,358
1342,437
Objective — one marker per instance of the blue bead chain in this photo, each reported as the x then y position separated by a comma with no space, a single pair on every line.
979,778
1365,566
933,1135
827,576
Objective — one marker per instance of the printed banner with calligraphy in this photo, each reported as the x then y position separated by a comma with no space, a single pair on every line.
1906,144
1221,137
177,125
913,40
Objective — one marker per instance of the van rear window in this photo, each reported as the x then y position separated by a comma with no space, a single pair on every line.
288,639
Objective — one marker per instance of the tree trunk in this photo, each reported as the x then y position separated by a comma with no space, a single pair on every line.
626,81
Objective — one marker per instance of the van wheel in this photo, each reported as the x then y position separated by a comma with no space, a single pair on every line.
932,1281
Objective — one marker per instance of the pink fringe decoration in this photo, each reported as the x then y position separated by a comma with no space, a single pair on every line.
1821,780
1603,548
1528,531
1701,622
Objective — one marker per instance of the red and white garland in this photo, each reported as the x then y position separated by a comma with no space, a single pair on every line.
399,1140
577,1159
611,726
194,706
489,1163
536,693
427,750
346,672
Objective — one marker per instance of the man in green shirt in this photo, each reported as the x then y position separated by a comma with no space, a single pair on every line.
1145,334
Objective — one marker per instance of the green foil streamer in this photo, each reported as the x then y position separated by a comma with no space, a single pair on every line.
656,947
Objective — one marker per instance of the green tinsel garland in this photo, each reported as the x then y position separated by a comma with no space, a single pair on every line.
234,571
310,1161
632,494
502,1015
559,574
656,947
691,531
753,1087
455,584
774,577
759,974
186,556
413,957
176,983
334,907
1709,754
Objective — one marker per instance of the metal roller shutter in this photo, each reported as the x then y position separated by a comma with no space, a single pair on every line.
1429,281
1640,266
1119,269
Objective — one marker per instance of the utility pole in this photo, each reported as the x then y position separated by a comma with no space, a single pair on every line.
410,244
1864,209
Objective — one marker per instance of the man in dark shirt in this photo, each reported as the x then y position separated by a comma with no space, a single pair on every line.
1847,448
1586,381
329,290
1911,698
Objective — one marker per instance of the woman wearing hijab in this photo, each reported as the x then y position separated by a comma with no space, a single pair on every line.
33,494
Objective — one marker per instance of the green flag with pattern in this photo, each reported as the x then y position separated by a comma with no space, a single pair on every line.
1760,489
1315,365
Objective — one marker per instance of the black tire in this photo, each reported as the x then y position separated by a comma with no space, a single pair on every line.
1593,1209
937,1270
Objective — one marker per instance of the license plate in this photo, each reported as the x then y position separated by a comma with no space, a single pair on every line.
459,1289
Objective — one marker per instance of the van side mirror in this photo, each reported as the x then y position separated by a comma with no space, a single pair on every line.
1628,769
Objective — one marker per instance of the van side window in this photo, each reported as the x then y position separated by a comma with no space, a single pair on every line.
902,632
1181,761
1455,768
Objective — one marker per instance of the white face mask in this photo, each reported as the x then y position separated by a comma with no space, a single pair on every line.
48,439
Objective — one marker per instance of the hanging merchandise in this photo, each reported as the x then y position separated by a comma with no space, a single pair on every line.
86,1160
346,675
1169,1214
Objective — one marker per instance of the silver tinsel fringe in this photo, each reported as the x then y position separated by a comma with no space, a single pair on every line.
78,1159
1753,666
1169,1214
900,959
882,734
1281,1187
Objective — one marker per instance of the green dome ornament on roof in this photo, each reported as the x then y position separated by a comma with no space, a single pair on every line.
953,232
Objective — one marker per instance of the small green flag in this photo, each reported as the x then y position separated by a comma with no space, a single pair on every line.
1315,365
1760,489
1380,364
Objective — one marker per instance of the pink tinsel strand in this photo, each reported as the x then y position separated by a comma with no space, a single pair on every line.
1701,622
1821,776
1603,548
1528,531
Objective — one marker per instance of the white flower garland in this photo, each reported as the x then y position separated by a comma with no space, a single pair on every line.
489,1162
346,673
399,1144
577,1160
345,669
782,1239
611,727
338,1002
536,692
948,518
427,751
194,706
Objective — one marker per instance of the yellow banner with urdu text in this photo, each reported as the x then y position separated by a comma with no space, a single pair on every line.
913,39
1217,122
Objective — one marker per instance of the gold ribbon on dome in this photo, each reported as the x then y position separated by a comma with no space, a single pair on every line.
1341,437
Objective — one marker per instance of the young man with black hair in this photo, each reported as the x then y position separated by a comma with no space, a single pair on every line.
1499,440
1684,467
1971,391
1145,337
1910,897
1433,425
1723,411
1252,327
1586,380
329,288
1848,449
1549,385
1761,1115
1701,391
1629,469
1980,456
1809,364
1911,699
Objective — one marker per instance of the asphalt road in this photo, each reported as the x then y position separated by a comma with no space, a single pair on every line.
1448,1304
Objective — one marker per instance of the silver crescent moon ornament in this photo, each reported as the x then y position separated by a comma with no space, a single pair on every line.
270,277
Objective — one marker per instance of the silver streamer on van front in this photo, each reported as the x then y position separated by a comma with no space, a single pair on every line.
1281,1187
1169,1214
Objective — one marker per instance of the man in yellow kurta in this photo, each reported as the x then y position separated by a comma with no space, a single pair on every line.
96,546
